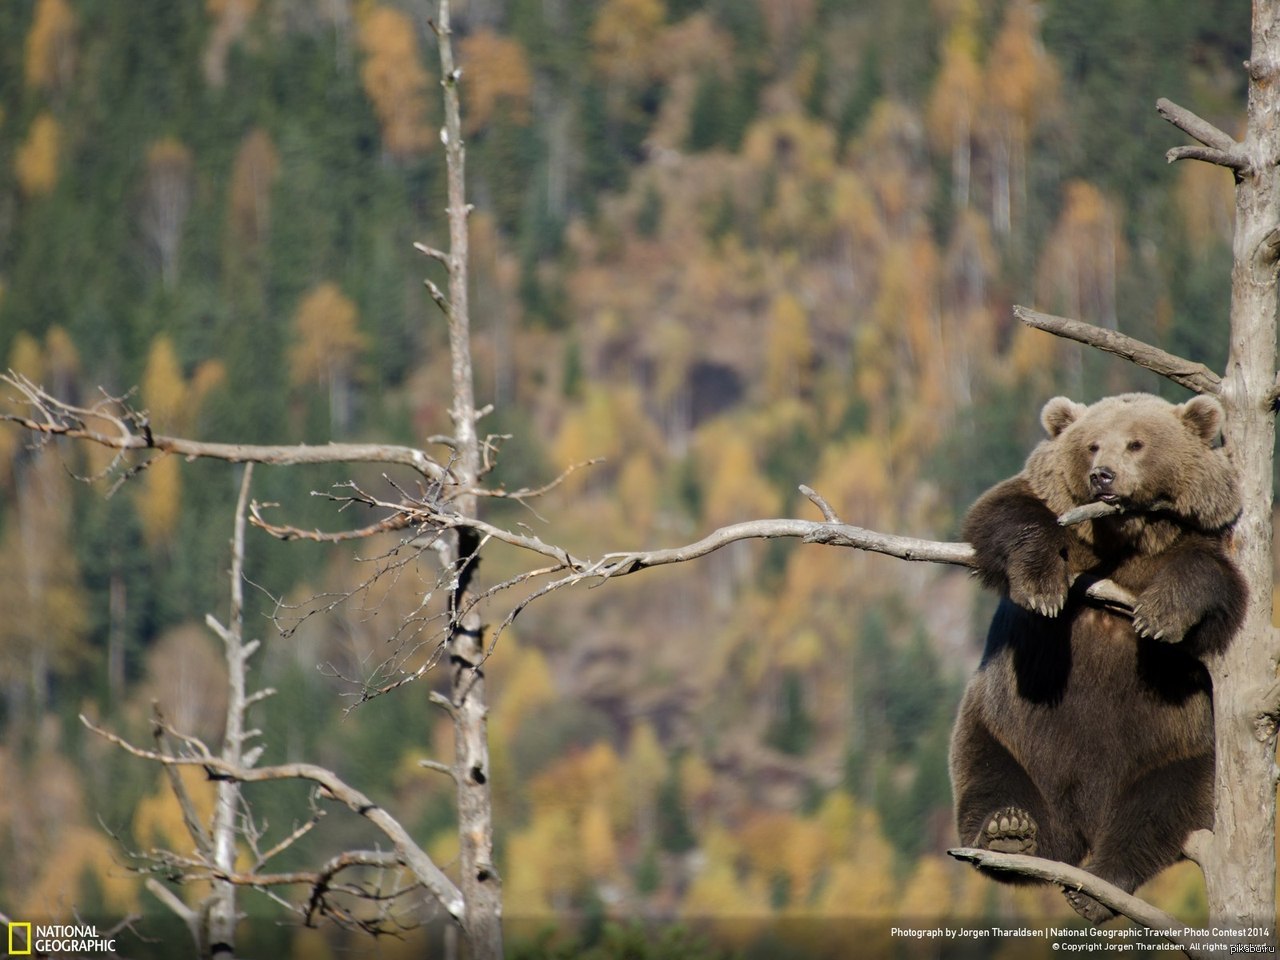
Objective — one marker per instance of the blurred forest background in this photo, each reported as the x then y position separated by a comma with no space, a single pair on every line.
731,246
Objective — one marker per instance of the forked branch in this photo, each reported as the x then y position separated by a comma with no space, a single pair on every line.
407,852
1218,148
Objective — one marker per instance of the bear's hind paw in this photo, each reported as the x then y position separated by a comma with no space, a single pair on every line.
1011,830
1088,907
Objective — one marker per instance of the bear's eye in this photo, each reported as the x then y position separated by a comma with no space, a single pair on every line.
1094,448
1135,445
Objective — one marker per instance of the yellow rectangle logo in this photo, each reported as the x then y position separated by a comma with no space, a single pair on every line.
13,947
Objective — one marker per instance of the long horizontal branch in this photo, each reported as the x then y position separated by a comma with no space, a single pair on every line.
1190,374
809,531
125,430
408,852
1073,878
277,454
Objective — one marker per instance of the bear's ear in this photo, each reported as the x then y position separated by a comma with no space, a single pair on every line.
1203,415
1060,413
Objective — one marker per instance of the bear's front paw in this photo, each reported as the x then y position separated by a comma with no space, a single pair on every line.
1160,615
1089,908
1011,830
1039,584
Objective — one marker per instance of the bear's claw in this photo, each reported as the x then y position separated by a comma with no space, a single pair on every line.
1159,617
1011,830
1089,908
1039,583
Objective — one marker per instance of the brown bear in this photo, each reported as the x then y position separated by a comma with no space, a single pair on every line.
1086,736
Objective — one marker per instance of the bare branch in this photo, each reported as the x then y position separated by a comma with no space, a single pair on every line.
1233,161
174,903
1192,375
1195,126
410,854
1197,845
190,818
528,493
1099,509
123,429
390,524
432,252
1073,878
438,767
314,878
297,834
809,531
828,514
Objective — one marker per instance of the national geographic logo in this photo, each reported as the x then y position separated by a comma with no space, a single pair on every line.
26,938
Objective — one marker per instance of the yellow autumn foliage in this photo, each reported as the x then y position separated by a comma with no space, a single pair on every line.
789,358
81,852
51,46
157,819
543,864
327,338
624,39
164,391
498,76
26,357
253,174
598,847
395,80
522,683
36,159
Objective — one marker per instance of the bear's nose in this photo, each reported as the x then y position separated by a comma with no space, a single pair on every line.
1102,477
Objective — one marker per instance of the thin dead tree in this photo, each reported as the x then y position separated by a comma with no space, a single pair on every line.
1237,856
451,484
364,889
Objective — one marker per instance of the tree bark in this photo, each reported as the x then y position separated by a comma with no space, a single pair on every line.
478,880
1239,862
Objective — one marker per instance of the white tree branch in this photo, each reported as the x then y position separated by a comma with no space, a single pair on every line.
124,430
1073,878
1188,373
1219,147
409,853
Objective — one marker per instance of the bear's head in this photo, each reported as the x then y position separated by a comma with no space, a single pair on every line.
1137,450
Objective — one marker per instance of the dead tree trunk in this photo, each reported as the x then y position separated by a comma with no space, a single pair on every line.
1239,861
478,880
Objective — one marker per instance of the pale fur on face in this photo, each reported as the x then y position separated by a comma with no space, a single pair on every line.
1156,450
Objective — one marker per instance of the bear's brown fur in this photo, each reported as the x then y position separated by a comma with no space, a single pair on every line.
1086,736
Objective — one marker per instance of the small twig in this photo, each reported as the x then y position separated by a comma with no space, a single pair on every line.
439,767
1099,509
527,493
390,524
827,513
432,252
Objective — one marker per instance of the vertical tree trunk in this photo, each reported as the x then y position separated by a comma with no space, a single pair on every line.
479,882
1240,864
221,911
